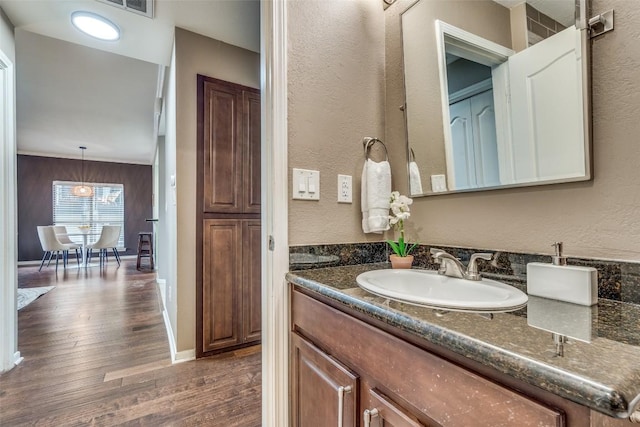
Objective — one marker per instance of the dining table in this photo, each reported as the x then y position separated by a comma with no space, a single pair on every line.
84,233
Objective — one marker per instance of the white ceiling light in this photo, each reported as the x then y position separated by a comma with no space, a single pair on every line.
95,26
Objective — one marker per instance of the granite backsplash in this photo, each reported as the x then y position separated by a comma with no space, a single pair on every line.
617,281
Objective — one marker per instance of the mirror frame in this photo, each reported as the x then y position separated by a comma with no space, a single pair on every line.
582,10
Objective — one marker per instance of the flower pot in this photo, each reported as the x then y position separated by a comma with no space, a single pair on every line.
401,261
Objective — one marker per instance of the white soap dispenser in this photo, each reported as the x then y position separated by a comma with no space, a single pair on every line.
562,282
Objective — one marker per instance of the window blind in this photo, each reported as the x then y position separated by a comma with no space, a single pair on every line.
105,207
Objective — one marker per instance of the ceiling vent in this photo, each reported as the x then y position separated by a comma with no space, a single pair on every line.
141,7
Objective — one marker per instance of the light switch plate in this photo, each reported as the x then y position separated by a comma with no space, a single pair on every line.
345,190
306,184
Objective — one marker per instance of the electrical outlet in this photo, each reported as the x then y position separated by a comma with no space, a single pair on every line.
345,191
438,183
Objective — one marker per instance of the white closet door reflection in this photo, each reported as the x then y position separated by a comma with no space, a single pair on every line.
475,152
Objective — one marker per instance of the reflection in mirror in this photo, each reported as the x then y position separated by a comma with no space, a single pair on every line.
495,97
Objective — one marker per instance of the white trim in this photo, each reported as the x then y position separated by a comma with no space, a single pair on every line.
37,261
275,262
487,52
183,356
502,102
17,358
470,91
9,354
176,356
92,159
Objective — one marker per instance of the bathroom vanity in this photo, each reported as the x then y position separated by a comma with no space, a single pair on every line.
357,359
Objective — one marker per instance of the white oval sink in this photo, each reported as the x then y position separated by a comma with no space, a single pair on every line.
428,288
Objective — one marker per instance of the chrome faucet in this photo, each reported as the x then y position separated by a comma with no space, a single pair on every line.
451,266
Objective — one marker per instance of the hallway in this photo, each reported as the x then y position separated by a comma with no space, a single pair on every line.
96,353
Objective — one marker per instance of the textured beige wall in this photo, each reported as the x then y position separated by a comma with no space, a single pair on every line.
197,54
329,78
336,97
598,219
519,33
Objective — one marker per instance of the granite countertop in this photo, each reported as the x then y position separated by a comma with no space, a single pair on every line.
598,365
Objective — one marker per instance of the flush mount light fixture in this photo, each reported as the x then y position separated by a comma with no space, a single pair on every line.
95,25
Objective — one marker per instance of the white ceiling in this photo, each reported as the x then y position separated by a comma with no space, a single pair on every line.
74,90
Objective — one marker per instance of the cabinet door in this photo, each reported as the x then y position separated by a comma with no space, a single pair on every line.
252,283
222,147
222,275
382,412
251,162
324,392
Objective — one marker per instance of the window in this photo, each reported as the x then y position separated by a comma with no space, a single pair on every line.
105,207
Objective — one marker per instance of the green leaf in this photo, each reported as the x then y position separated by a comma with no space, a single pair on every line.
411,248
394,246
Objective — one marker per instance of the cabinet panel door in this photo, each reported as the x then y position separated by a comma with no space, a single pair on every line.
252,280
381,411
221,277
222,149
251,162
317,381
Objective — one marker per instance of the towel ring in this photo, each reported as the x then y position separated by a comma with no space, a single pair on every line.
369,142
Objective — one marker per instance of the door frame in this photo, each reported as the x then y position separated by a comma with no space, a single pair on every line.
477,49
9,354
275,235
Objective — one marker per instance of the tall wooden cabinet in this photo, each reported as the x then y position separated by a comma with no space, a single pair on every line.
229,250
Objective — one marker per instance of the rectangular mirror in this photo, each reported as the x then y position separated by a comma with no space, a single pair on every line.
496,94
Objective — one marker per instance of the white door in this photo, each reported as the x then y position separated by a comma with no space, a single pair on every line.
473,137
464,166
484,138
547,128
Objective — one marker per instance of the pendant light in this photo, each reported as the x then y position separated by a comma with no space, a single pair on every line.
82,190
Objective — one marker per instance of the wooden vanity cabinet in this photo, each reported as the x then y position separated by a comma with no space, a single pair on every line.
399,383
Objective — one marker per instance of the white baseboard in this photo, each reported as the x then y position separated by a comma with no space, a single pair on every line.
38,261
184,356
17,358
176,357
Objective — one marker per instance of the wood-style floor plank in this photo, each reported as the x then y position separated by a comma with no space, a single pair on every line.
96,353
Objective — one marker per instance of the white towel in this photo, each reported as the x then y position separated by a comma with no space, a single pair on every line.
415,182
375,195
364,205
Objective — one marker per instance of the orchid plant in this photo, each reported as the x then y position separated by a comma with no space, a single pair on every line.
400,212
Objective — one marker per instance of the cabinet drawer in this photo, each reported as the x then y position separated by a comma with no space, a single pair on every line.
438,392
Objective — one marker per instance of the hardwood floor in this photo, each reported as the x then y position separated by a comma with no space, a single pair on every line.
96,353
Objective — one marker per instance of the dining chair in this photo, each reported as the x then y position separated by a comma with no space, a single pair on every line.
108,240
61,234
51,244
